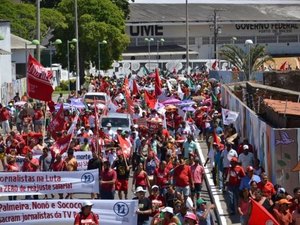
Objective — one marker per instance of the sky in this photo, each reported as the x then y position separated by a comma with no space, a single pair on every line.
284,2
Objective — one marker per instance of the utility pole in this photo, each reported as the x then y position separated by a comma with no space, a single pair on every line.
187,35
38,29
216,31
77,48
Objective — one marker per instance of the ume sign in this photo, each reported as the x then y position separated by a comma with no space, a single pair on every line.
151,30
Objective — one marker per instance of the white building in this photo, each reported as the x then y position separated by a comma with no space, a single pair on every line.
275,26
5,53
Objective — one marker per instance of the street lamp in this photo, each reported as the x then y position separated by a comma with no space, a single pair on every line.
104,42
233,39
149,40
249,42
56,42
158,42
74,40
33,42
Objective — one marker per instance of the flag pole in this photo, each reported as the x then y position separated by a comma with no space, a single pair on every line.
44,125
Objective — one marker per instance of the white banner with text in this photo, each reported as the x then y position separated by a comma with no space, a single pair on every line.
63,212
36,183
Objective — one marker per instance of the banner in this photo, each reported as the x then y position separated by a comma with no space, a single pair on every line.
37,183
81,157
63,212
38,81
228,116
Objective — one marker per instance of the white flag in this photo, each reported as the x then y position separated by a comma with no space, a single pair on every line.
74,123
179,92
229,117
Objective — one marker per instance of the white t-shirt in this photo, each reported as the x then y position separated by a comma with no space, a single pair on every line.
225,153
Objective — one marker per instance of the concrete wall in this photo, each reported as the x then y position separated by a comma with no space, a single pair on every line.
277,149
286,79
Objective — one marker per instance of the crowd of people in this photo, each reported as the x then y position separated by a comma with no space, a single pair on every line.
164,161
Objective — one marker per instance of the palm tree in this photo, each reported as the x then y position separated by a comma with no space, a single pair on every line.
240,59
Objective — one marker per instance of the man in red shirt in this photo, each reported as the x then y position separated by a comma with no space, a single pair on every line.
266,186
108,180
30,165
183,178
234,176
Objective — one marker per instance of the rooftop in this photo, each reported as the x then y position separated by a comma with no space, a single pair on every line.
283,107
170,13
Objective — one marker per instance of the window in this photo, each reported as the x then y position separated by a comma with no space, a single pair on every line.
267,39
205,41
287,38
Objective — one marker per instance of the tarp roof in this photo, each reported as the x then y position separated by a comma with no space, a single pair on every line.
283,107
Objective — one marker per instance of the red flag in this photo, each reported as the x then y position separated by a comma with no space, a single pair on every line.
57,123
135,89
157,83
216,139
214,65
125,146
260,216
61,145
283,66
150,100
38,81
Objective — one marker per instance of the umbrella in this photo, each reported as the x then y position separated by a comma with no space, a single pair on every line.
171,101
189,109
20,103
186,103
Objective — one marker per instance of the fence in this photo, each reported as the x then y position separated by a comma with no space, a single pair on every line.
9,90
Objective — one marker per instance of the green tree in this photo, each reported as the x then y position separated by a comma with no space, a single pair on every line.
124,6
23,20
240,58
98,20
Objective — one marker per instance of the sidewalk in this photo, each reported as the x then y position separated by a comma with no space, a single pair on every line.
218,196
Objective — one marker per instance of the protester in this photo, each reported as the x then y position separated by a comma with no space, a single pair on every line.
204,212
86,216
95,163
144,206
108,180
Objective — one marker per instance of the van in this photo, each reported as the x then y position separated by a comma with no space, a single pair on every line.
122,120
99,97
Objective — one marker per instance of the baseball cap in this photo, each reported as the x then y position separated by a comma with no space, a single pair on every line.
200,201
168,209
140,189
245,147
87,203
249,168
119,128
283,201
234,159
191,216
154,186
108,125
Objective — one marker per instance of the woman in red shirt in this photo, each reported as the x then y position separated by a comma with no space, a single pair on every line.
140,178
86,216
161,176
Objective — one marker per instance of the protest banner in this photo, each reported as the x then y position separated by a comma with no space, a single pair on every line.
62,212
37,183
81,157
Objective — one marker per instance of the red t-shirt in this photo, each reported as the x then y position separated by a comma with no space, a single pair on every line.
141,179
267,189
86,220
4,114
182,174
12,167
157,202
235,175
27,167
108,176
23,151
58,166
169,166
162,176
38,114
